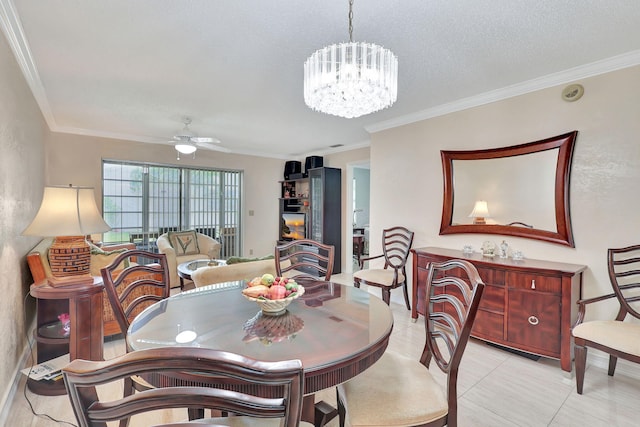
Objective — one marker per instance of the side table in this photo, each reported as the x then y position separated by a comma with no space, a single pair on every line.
85,338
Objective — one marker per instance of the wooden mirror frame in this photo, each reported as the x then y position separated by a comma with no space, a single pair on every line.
563,236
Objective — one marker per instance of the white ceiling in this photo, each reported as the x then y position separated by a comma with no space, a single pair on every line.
132,69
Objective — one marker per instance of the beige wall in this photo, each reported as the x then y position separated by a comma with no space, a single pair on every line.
22,131
77,160
346,160
406,171
74,159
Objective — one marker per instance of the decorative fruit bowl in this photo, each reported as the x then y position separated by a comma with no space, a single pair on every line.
272,294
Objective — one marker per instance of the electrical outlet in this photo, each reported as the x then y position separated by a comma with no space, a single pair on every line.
250,251
251,212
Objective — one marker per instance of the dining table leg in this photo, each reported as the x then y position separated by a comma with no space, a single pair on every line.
318,414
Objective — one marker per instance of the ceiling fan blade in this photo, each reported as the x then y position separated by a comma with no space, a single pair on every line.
211,146
180,138
198,139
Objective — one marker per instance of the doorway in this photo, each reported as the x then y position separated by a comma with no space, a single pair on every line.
358,202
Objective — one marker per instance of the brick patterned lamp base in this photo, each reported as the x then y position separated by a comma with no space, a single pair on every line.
70,258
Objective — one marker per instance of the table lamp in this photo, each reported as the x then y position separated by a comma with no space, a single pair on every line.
480,212
69,214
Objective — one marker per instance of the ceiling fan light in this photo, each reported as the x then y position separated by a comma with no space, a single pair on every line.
186,148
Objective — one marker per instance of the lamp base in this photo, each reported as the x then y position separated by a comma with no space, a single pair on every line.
479,221
70,259
58,282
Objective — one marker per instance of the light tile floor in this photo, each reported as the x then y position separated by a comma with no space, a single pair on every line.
496,388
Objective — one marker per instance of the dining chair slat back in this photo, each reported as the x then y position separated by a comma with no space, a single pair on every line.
131,287
286,378
401,391
304,258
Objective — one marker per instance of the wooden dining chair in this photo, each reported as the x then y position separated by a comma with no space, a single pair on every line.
396,243
617,338
304,258
400,391
131,287
281,381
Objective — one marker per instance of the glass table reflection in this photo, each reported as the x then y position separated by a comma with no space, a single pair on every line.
336,331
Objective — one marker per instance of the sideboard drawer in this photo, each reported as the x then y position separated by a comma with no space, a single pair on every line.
489,325
491,276
493,298
534,282
534,321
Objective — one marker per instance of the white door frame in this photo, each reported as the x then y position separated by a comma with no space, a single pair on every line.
348,219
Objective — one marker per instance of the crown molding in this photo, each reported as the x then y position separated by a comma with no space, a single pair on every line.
12,29
571,75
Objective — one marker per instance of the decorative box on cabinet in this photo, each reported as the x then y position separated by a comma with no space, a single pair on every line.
529,305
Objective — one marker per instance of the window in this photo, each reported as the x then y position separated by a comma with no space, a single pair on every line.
141,201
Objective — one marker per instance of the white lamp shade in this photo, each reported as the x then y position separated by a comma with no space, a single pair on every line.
480,210
67,211
186,148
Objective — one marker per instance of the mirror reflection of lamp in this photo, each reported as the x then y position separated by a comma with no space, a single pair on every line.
480,212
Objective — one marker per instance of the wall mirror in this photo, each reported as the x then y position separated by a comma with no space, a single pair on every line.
523,190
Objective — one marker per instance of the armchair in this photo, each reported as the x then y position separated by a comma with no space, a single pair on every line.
396,243
615,337
184,246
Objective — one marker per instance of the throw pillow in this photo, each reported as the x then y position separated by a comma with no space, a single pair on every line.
101,258
184,242
238,260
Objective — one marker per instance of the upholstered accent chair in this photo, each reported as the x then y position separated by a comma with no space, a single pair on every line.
616,337
401,391
184,246
284,381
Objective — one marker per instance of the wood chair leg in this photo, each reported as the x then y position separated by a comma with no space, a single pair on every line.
386,295
128,391
406,295
613,360
580,353
341,410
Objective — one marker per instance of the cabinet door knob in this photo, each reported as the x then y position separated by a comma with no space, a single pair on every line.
533,320
533,284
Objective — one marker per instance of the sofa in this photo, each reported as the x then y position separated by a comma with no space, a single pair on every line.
185,246
38,261
235,271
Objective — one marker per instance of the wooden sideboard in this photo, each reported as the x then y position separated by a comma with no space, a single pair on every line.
528,305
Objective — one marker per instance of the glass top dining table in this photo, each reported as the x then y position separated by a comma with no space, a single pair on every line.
337,331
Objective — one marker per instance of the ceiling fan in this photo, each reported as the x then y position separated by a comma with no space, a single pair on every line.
187,141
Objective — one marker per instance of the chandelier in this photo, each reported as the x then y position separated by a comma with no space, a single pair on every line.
351,79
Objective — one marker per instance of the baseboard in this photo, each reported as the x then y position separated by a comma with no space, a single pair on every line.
624,367
9,397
